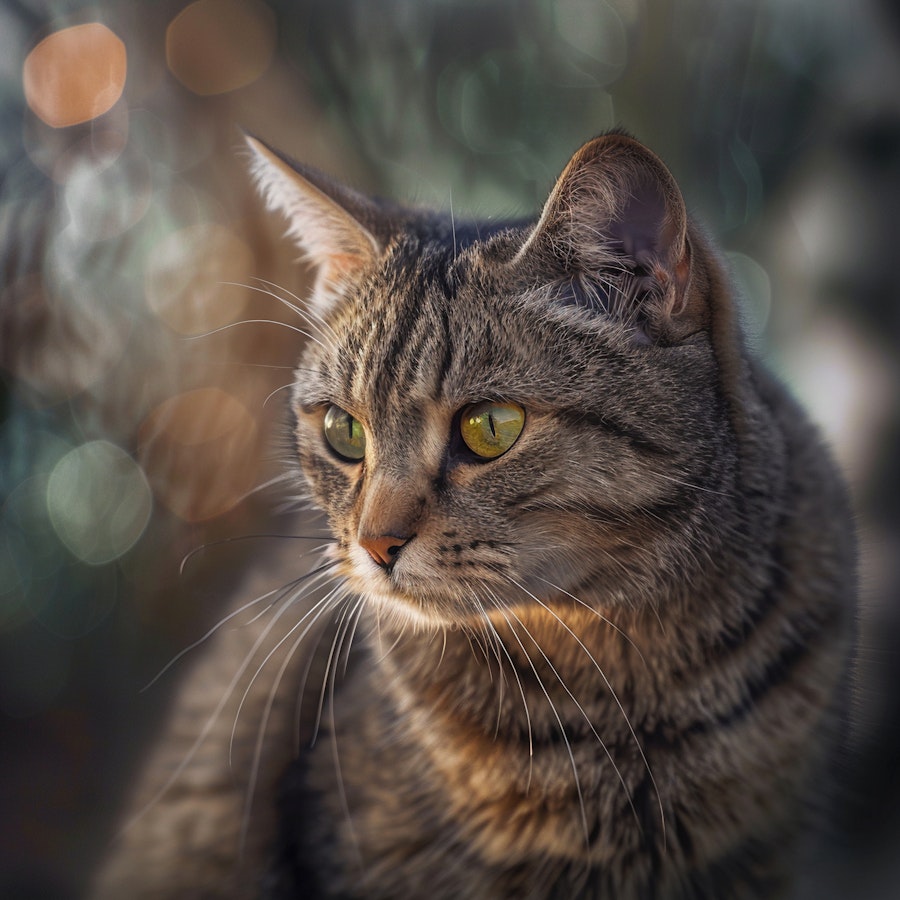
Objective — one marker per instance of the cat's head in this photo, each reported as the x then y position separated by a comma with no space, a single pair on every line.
504,415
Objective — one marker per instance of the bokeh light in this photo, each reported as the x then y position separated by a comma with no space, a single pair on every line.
121,222
75,74
191,278
105,197
216,46
199,450
99,501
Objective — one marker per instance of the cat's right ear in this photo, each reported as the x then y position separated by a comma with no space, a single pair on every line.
336,228
615,229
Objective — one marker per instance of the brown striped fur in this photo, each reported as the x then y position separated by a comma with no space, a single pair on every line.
610,663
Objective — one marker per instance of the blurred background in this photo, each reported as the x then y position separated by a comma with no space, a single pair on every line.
141,363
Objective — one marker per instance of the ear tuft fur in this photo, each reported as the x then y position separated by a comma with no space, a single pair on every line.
324,219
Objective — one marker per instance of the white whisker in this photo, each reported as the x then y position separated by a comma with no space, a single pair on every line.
596,612
315,611
221,623
556,715
342,792
267,710
618,703
278,390
300,306
515,672
213,717
314,321
230,325
343,624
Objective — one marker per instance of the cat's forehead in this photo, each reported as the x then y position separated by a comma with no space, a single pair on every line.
437,324
451,325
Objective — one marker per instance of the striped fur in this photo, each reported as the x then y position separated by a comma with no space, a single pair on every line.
610,663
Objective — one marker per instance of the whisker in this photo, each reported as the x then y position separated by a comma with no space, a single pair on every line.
358,612
691,485
343,624
443,648
267,710
596,612
301,307
473,636
260,614
223,621
284,387
213,717
315,611
515,672
246,364
342,792
553,709
301,693
245,537
314,322
278,479
618,703
206,334
501,677
396,641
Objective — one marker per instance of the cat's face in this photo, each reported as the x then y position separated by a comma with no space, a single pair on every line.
507,446
483,434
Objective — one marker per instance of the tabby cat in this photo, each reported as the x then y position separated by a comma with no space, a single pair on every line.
606,562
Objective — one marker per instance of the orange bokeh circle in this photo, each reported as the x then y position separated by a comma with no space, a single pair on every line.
75,74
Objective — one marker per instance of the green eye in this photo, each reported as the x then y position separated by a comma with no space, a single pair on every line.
490,429
345,434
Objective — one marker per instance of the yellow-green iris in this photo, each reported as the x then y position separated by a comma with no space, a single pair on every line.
345,434
490,429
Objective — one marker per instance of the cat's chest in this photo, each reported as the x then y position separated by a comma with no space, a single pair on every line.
401,787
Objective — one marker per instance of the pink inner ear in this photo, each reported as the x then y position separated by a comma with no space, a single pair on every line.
639,227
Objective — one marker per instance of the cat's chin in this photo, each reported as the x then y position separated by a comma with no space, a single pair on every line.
404,604
399,600
398,612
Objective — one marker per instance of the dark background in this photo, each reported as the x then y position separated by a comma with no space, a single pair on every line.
122,239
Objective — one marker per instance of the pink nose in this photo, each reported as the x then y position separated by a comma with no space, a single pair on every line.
383,549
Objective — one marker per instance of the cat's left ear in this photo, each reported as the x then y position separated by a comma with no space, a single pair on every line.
339,230
615,231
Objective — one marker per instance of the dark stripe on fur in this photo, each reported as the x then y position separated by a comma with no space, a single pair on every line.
638,440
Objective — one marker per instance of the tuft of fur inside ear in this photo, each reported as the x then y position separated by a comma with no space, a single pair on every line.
324,219
613,237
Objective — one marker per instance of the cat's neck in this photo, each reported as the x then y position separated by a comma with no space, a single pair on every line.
534,670
550,704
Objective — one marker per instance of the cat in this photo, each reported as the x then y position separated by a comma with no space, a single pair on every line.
606,564
592,573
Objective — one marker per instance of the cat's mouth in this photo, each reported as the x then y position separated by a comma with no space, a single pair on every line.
416,593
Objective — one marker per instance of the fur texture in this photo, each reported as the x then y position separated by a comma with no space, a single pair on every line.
611,661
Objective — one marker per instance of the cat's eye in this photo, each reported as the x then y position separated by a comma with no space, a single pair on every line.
344,434
490,429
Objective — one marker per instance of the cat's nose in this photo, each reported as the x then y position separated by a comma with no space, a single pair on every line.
383,549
